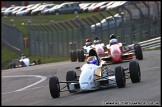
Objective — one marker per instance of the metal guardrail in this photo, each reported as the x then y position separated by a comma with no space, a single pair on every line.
148,44
152,43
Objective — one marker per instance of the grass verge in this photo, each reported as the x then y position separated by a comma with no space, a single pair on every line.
8,56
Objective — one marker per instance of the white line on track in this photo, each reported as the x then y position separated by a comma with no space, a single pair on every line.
150,68
38,76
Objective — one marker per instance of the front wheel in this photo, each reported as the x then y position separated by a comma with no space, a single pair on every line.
135,73
120,77
54,87
71,76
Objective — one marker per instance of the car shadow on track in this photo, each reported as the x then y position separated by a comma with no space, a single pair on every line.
91,91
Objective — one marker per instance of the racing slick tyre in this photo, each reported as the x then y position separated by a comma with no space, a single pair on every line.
73,55
78,55
81,56
135,73
54,87
138,52
13,65
120,77
71,76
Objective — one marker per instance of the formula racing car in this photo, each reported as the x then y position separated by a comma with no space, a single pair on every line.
117,52
81,54
23,62
93,77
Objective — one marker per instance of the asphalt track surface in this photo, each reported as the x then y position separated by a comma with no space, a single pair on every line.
29,85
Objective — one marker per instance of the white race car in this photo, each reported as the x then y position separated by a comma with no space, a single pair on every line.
81,54
23,62
94,77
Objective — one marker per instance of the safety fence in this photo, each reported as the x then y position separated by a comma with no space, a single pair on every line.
52,40
12,38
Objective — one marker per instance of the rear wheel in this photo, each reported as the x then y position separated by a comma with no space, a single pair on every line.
120,77
73,55
78,55
9,66
135,73
138,52
54,87
13,65
81,56
71,76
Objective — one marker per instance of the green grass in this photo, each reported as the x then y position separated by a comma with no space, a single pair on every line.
7,57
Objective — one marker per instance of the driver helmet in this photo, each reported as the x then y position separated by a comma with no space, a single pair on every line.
88,42
96,41
112,36
23,56
92,60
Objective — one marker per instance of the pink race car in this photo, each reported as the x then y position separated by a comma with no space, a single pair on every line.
117,52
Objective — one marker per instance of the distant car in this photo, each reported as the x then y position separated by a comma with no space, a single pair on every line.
97,6
51,10
85,7
19,10
46,10
91,6
22,12
103,7
23,62
115,4
18,13
2,10
28,11
8,12
38,10
95,76
68,7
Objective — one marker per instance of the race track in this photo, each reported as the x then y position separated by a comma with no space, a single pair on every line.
29,85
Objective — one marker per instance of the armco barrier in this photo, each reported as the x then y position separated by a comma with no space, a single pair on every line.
152,43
